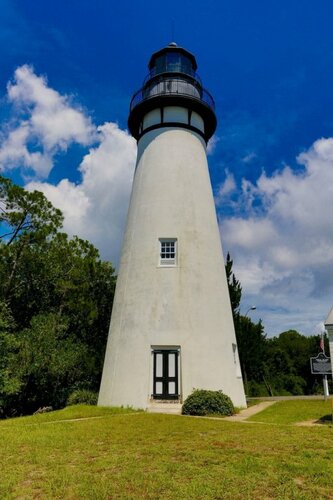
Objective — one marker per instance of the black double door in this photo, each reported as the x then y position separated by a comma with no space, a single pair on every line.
165,383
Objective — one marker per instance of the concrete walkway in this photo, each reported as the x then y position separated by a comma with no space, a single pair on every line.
290,398
248,412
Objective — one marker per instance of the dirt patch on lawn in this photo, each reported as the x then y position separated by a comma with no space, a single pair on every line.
310,423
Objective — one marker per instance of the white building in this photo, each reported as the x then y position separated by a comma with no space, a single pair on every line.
171,328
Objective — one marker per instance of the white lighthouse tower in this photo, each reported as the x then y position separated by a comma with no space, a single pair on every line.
172,328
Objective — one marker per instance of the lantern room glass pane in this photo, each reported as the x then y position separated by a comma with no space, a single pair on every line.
173,62
178,63
160,64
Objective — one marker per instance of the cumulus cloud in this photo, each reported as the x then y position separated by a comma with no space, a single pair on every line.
43,120
43,123
226,188
283,246
96,208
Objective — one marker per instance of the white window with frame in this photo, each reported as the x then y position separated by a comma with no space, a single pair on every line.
168,252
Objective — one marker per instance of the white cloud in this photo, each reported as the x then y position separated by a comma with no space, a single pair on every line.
226,188
212,144
283,250
249,157
43,123
43,118
14,152
96,208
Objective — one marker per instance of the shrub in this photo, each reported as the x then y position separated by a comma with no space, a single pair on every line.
82,397
203,402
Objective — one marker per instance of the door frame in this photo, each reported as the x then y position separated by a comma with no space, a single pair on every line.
165,378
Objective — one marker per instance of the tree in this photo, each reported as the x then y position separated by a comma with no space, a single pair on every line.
26,218
24,213
60,294
251,342
43,270
288,362
9,381
250,336
49,364
235,288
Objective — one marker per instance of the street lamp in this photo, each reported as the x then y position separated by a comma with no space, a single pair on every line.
252,308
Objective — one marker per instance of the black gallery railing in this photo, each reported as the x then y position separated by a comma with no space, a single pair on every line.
172,86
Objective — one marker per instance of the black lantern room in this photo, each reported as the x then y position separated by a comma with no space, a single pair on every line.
172,81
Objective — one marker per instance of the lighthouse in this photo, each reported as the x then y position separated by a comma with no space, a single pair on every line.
171,329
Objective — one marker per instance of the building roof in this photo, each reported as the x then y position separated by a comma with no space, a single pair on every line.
329,319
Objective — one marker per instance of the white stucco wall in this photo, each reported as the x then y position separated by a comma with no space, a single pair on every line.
187,305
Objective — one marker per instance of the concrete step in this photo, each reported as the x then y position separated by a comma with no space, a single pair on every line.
171,408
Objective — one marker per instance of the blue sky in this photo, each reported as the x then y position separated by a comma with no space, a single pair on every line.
68,70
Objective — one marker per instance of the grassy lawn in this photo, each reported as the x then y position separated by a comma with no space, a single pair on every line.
291,412
71,412
151,456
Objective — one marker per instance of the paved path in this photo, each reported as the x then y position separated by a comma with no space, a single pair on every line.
290,398
248,412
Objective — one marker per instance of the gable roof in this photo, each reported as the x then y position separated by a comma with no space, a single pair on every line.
329,319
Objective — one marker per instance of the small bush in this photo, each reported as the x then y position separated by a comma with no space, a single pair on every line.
82,397
203,402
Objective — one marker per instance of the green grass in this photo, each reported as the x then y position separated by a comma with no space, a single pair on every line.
152,456
291,412
69,413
